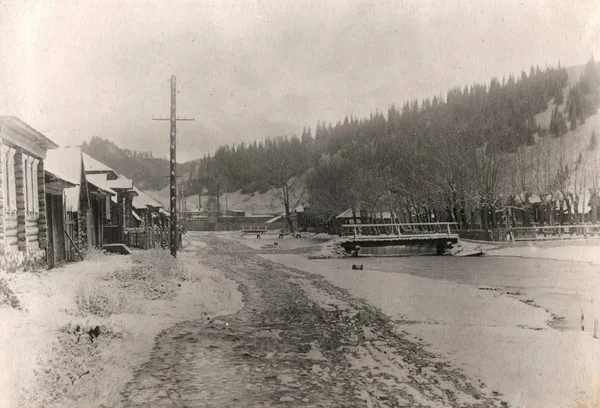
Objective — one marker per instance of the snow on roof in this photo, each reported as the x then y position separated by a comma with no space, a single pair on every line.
65,162
272,220
99,181
93,165
143,200
120,183
18,126
137,217
298,209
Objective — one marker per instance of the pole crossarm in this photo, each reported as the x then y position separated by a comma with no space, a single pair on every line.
177,119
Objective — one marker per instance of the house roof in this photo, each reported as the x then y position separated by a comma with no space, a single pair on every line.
92,165
67,163
137,217
99,181
55,184
299,209
142,200
120,184
18,128
272,220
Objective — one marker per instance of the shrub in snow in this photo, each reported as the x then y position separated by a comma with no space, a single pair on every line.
99,301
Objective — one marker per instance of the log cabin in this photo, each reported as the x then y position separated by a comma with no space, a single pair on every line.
23,226
118,207
83,203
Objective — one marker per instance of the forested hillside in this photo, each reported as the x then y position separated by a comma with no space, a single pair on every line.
452,158
146,171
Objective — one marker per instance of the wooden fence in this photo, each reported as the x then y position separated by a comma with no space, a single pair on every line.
536,233
146,238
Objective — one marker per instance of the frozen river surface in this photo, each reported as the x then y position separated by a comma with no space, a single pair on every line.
513,322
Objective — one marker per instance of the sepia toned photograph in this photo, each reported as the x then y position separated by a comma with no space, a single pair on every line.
299,203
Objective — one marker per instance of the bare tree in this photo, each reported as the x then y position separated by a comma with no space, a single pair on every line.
285,166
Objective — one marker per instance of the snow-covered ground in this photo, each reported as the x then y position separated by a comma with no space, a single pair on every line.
493,316
47,357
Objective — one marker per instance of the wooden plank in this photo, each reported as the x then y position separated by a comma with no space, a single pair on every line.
74,246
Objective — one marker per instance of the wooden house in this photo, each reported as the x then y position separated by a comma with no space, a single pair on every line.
302,220
57,241
358,216
23,227
147,230
84,202
118,208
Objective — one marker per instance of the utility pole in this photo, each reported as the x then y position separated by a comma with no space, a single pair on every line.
218,206
173,165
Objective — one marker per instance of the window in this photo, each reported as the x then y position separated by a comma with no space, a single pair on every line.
36,200
5,189
30,193
8,178
26,177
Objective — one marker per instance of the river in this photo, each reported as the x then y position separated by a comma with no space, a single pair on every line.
514,322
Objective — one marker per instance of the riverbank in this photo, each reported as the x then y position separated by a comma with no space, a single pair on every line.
72,336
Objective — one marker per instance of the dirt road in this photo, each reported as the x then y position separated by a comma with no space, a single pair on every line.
298,341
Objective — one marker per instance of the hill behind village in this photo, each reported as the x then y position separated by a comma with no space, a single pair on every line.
507,143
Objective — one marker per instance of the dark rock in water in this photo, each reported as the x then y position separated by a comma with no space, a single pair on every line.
95,332
357,267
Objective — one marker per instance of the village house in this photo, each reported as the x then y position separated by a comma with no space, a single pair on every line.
118,214
302,220
23,227
83,203
146,230
56,248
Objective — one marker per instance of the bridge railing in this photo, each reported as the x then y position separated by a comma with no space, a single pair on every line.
254,229
442,229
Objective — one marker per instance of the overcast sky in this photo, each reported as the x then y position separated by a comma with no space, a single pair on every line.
250,69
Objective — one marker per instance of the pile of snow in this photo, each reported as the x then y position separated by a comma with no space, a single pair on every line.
330,249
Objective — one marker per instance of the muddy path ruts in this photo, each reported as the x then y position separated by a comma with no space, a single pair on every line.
298,341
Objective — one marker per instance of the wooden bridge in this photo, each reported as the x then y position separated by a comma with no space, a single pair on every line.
428,234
